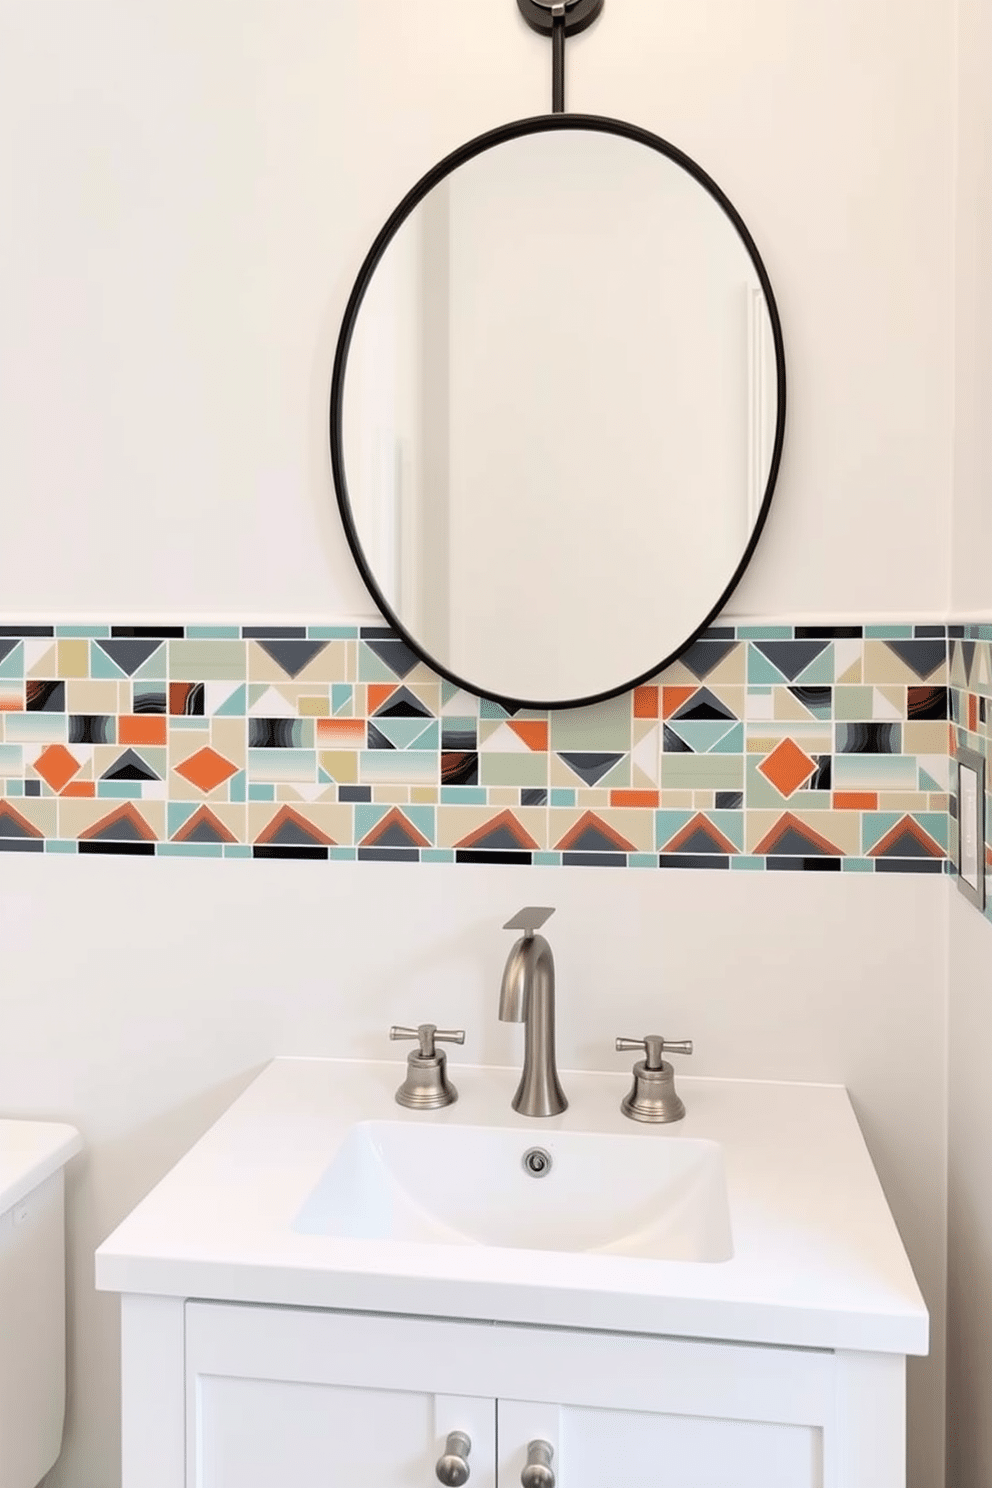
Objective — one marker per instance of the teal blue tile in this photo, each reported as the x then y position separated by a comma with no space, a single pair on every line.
82,632
190,725
372,668
984,633
748,864
14,788
760,669
731,824
155,669
667,823
237,850
429,739
935,823
406,733
437,855
332,632
489,709
11,759
561,796
642,860
368,815
820,669
235,706
764,632
875,824
12,666
261,792
703,734
56,845
119,790
36,728
101,666
857,865
177,813
323,778
342,698
213,632
546,859
189,850
888,632
343,854
286,766
237,787
463,795
732,742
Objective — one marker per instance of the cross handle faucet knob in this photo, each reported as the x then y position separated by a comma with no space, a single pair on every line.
654,1047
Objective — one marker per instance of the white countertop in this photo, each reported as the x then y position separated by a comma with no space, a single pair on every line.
30,1152
817,1259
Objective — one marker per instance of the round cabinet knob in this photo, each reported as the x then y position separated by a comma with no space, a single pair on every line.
538,1473
452,1467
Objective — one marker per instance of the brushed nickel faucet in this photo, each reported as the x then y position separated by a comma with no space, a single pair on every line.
527,995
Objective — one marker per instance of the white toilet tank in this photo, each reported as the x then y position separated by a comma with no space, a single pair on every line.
33,1155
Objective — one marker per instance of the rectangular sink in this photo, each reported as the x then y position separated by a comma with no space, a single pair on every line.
653,1196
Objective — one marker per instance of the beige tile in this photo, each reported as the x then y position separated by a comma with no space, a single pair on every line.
333,820
97,698
927,736
340,764
391,795
73,658
77,817
903,800
425,795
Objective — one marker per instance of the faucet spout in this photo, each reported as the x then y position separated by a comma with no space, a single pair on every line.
527,995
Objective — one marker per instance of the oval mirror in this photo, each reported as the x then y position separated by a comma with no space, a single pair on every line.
557,410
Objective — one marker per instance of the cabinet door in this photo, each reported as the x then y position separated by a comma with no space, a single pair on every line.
595,1448
277,1397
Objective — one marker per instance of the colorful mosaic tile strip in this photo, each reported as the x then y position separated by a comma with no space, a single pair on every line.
810,748
970,696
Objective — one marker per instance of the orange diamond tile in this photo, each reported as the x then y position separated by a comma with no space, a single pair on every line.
56,766
787,767
206,769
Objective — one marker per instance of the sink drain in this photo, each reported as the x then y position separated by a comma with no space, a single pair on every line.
537,1162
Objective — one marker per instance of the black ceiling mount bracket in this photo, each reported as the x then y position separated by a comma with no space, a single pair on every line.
558,19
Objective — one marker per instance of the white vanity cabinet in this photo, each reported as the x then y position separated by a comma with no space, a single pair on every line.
223,1395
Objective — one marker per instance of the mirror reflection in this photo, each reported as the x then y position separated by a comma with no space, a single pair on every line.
559,414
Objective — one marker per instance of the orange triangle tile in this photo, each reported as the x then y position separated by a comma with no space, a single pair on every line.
672,699
377,694
126,823
291,822
533,731
700,823
20,825
204,817
608,838
395,822
787,822
907,827
505,822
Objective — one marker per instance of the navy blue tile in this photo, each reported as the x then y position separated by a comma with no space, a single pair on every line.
121,849
287,850
354,793
693,860
480,855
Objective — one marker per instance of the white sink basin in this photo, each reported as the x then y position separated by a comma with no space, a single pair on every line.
652,1195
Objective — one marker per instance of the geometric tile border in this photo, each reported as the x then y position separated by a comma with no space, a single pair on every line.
970,698
764,748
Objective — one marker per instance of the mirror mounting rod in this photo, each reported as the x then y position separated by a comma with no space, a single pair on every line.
558,19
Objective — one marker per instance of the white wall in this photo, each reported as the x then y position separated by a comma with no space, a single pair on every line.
138,1004
187,193
969,1236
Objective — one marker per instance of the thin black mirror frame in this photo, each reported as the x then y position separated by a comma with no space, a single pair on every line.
542,124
